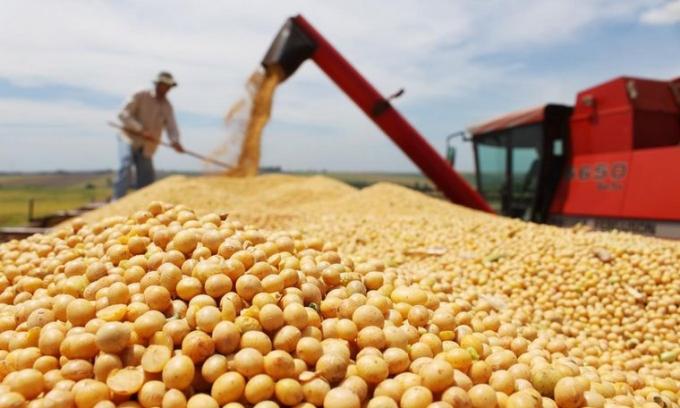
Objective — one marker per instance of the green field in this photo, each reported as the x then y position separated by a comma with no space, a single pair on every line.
52,192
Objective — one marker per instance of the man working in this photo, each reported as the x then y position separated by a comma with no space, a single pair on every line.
146,114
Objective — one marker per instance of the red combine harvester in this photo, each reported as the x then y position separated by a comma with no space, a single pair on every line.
611,161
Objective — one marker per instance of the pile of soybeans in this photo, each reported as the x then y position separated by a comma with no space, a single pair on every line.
280,291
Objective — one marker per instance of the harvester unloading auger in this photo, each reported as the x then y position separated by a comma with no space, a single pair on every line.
609,162
298,41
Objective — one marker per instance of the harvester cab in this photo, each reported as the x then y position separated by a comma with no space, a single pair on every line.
517,156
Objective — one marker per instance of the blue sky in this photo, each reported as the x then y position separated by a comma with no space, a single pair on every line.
68,66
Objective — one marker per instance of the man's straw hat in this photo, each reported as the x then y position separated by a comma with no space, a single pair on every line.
165,77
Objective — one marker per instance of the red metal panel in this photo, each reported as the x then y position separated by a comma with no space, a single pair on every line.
596,186
602,120
623,122
391,122
640,184
653,191
514,119
656,114
625,114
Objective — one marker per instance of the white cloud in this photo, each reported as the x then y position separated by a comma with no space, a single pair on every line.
436,50
212,46
666,13
16,112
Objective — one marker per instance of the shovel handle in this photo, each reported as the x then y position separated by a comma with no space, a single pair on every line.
162,143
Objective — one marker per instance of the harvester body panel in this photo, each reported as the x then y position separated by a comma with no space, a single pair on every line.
625,156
